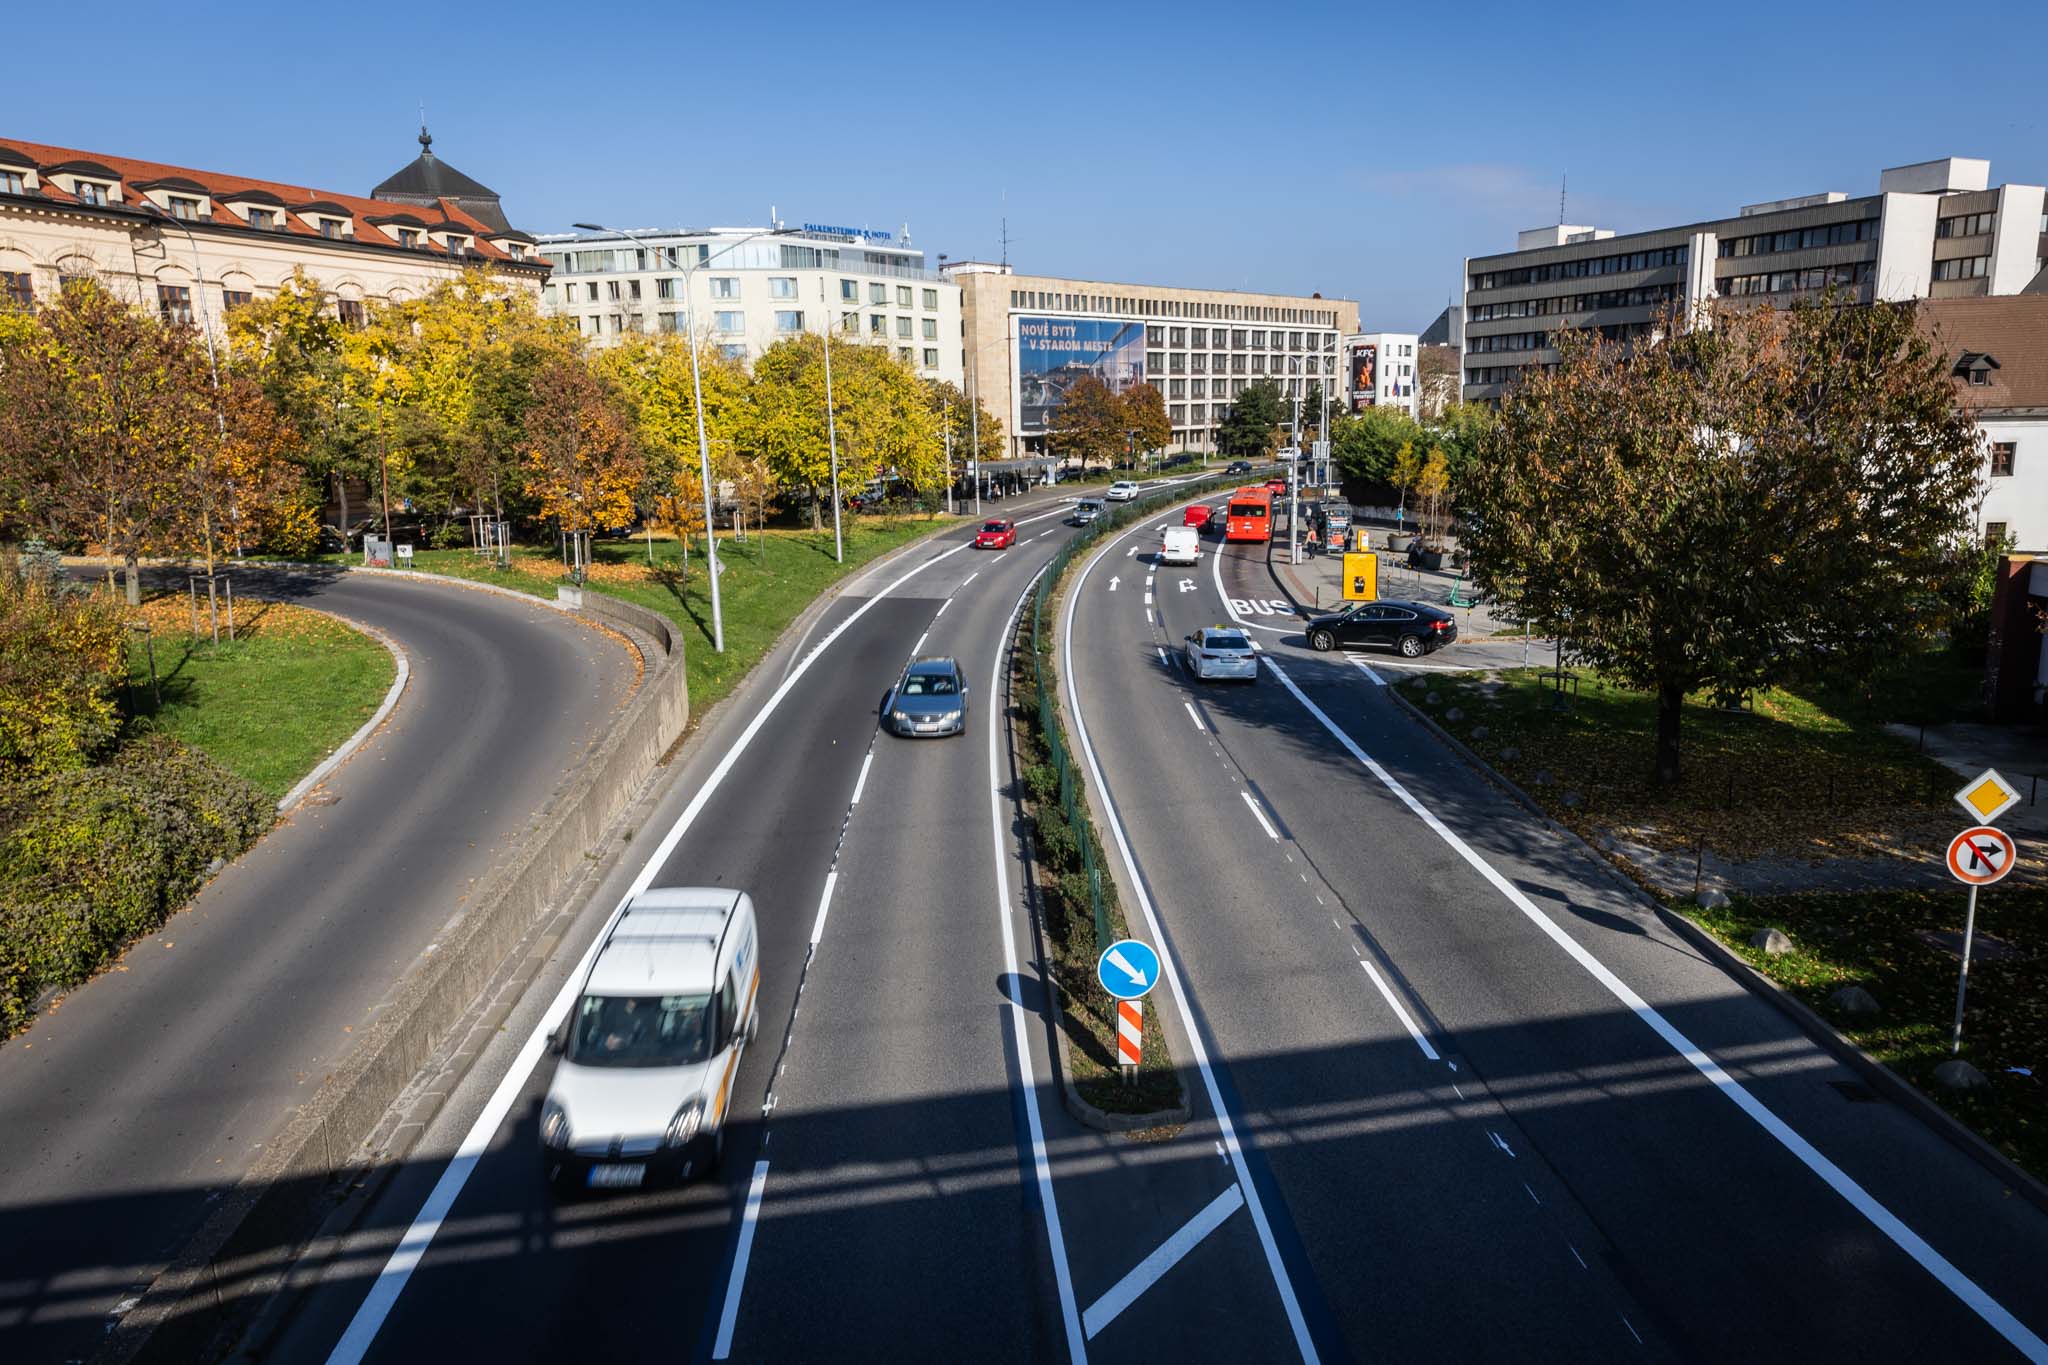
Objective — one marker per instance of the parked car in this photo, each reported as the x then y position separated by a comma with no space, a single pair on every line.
1085,511
670,1002
929,699
1220,652
997,533
1412,628
1123,490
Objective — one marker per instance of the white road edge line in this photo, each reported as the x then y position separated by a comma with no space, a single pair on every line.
1148,1271
862,784
2002,1321
1366,668
824,906
412,1247
1190,706
1260,816
977,573
1303,1342
942,609
1020,1022
723,1347
1400,1011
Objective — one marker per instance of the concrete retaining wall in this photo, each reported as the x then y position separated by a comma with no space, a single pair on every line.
239,1254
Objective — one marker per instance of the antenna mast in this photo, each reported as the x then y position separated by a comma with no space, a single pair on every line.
1562,181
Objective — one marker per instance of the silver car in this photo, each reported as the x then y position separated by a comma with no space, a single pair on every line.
929,699
1220,652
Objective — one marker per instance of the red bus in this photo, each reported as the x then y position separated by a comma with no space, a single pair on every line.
1250,516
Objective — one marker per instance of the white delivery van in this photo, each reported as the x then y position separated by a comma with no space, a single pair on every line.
653,1042
1181,545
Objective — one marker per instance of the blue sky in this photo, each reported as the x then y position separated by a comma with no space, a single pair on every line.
1359,151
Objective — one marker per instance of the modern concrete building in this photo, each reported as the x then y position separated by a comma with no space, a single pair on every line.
750,287
1935,230
193,244
1380,371
1028,336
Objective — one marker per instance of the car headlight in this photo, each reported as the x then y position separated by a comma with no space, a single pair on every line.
901,718
683,1126
554,1125
949,718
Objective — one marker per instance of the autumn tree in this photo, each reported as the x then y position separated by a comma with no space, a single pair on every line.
951,407
1736,502
1144,417
1247,433
580,459
1366,444
879,411
61,655
652,375
1088,423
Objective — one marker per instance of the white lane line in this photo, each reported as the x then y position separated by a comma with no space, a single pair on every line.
1366,668
920,643
1049,531
861,785
977,573
2015,1332
1260,816
723,1346
1394,1004
1303,1342
824,906
942,609
1148,597
1020,1022
1161,652
412,1247
1148,1271
1192,714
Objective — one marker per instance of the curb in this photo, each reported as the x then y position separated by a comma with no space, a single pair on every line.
326,766
1880,1077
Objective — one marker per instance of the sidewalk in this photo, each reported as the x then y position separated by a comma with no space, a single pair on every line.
2019,753
1316,584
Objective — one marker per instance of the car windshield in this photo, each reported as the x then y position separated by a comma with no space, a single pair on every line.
929,685
993,526
1229,644
641,1030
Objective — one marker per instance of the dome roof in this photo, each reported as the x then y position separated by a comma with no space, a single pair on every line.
428,180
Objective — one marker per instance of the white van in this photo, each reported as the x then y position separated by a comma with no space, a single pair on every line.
1181,545
653,1042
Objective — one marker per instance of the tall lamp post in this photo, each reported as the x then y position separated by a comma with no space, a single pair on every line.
697,390
831,427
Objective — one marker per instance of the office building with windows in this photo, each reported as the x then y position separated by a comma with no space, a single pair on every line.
1029,336
193,244
1380,372
747,288
1933,230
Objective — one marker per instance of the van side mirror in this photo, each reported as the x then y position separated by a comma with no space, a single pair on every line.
558,1041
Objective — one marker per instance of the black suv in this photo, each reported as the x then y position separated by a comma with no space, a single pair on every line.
1413,628
1238,467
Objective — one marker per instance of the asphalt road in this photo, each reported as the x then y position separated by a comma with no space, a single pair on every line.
138,1098
1542,1127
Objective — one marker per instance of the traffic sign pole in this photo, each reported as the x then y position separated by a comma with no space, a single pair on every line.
1963,981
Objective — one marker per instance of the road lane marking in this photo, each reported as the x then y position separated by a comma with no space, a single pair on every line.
977,573
2002,1321
1052,530
1365,668
942,609
1191,710
1400,1012
748,1221
1020,1022
824,906
1148,1271
426,1224
1260,816
920,643
1304,1343
861,785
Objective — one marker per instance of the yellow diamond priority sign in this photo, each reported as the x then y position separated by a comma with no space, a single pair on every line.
1987,796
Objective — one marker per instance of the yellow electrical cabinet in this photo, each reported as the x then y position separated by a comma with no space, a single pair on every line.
1361,577
1361,538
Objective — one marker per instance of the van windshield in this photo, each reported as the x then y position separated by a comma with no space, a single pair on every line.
641,1030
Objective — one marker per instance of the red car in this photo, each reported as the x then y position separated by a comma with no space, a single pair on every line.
997,533
1278,485
1198,515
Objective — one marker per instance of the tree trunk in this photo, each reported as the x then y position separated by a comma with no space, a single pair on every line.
132,567
817,510
1670,700
341,497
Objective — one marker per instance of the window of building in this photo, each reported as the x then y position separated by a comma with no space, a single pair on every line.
330,228
409,238
931,299
183,207
1994,535
782,286
931,329
231,299
1258,364
931,357
1258,340
1802,239
632,289
1198,337
734,350
733,321
878,293
665,322
1155,336
903,328
1177,363
665,287
1176,336
849,291
877,325
265,219
589,291
17,289
1966,225
174,301
350,311
903,292
849,323
789,320
903,354
611,290
725,286
11,182
1963,268
1177,388
89,192
2002,453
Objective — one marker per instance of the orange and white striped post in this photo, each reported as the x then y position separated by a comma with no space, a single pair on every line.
1130,1034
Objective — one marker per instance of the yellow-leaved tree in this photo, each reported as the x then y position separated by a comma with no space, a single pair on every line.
652,375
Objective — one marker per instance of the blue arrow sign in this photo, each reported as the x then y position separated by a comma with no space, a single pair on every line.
1127,969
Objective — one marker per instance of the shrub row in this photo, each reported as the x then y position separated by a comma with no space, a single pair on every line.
93,858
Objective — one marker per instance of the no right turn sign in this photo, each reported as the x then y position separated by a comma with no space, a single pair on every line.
1980,856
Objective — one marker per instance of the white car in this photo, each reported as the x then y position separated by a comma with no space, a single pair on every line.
1180,545
651,1047
1220,652
1123,490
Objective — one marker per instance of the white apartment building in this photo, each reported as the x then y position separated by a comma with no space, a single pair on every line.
1379,371
751,287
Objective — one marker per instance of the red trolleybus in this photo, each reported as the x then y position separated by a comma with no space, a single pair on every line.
1250,515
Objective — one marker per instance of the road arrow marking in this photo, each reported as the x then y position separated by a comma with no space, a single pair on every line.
1187,585
1113,581
1123,964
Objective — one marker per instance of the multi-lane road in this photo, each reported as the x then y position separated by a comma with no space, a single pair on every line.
1454,1096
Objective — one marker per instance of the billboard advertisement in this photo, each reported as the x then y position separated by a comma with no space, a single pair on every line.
1052,353
1364,375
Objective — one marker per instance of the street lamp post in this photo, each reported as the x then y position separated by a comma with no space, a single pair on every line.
697,393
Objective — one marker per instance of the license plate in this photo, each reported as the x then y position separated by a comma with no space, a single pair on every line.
617,1177
926,727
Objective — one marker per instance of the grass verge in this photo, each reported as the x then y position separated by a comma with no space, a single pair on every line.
267,705
1902,947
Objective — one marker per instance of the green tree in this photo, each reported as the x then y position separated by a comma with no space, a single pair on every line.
1144,417
1088,425
1247,433
1729,504
1366,444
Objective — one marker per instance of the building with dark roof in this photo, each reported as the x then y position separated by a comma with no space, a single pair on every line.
429,181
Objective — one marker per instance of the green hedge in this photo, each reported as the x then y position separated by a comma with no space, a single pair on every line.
94,858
